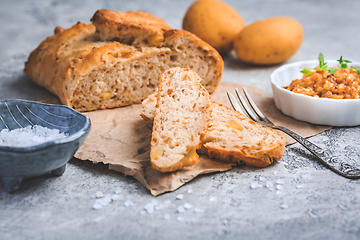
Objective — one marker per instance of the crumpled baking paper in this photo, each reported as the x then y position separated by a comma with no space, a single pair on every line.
120,138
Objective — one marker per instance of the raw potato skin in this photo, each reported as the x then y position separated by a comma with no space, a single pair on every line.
269,41
215,22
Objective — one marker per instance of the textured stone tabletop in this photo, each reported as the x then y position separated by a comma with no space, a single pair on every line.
296,198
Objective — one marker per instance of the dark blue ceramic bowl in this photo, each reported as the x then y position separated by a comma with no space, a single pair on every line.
18,163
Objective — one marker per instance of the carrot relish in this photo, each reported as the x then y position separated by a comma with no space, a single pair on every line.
340,82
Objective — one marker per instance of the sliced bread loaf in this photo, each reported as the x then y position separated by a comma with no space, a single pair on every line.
232,137
182,115
117,60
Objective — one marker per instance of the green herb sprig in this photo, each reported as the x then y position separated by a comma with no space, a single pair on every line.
323,66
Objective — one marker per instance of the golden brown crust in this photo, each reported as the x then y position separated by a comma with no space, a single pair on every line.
131,27
138,19
50,65
74,61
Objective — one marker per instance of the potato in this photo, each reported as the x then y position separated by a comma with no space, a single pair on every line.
269,41
215,22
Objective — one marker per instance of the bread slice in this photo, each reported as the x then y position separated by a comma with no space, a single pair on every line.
232,137
182,115
117,61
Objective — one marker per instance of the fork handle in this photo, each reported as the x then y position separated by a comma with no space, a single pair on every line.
325,157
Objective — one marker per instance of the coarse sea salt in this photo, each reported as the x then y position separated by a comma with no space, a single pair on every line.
187,206
129,203
180,196
180,209
255,184
284,206
213,199
269,184
29,136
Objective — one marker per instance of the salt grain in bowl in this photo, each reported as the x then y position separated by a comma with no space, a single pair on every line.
29,136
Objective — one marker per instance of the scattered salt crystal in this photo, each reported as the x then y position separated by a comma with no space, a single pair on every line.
284,206
278,192
255,184
276,172
167,216
149,208
262,178
142,212
180,196
213,199
271,189
118,190
128,203
101,201
29,136
187,206
180,218
93,195
190,191
107,198
115,197
280,181
300,186
167,202
97,206
269,184
99,194
199,210
279,187
180,209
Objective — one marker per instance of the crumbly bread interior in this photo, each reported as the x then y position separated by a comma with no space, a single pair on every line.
232,137
127,80
148,108
182,116
117,60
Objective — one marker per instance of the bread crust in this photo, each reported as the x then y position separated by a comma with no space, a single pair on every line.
144,29
67,62
242,154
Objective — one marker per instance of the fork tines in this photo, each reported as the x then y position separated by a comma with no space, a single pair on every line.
253,112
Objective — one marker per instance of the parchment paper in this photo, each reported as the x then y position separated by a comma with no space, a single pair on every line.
120,138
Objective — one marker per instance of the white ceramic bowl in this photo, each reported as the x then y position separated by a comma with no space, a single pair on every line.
323,111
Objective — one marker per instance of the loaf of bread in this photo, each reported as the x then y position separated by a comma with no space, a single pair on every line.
182,115
232,137
117,60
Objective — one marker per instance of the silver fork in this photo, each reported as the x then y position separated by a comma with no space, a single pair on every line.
324,156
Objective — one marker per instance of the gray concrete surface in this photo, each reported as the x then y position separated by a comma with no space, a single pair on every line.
311,202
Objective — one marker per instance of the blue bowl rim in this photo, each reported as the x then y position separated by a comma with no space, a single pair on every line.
82,132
